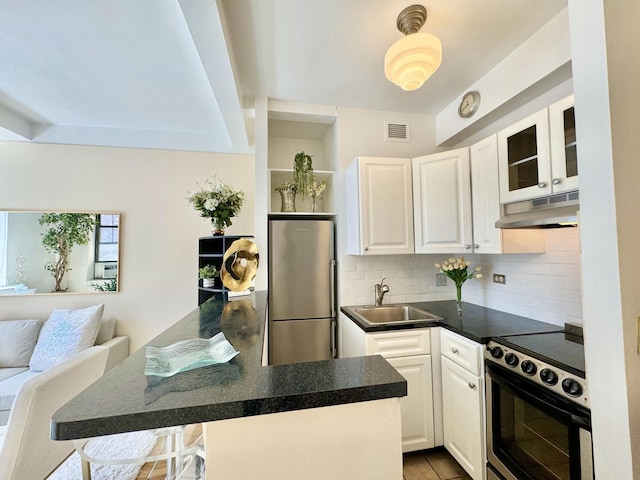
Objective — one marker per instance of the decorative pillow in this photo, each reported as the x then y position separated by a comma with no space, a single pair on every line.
66,333
107,330
17,340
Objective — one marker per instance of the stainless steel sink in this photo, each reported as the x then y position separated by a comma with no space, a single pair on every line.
394,314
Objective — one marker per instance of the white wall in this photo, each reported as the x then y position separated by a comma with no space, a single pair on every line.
606,61
543,286
361,133
159,229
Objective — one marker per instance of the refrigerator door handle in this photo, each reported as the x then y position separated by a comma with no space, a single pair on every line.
332,288
334,350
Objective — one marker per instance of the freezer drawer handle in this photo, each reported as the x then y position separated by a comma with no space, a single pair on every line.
332,289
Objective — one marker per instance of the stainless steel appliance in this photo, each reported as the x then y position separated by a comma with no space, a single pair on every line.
538,416
302,313
556,210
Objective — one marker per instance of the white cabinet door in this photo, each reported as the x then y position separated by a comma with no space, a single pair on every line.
524,159
442,202
379,206
463,419
485,196
564,160
417,406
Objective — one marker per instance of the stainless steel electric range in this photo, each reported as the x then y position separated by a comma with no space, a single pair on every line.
538,416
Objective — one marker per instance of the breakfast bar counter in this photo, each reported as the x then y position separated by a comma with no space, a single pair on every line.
251,410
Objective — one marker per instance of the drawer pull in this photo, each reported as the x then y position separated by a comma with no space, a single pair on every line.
454,350
472,385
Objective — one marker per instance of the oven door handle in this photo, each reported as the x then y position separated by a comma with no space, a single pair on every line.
576,414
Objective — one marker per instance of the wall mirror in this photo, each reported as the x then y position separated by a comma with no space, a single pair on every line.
59,252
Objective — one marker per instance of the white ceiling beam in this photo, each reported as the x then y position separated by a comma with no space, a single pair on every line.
204,141
205,24
14,126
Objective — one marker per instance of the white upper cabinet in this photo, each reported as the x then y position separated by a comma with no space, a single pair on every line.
457,203
442,202
379,206
537,155
485,196
564,160
524,159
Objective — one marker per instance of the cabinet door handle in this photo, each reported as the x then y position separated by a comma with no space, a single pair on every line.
467,246
366,249
472,385
542,184
556,181
454,350
475,245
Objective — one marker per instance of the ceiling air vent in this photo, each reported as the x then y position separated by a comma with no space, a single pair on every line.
396,132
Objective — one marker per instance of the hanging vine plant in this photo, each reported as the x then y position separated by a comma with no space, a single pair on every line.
302,172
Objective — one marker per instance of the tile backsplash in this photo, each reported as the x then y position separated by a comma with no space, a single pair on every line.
544,287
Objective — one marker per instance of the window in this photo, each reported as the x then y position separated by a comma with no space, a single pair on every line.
107,233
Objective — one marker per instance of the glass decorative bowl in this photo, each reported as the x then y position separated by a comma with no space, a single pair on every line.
188,355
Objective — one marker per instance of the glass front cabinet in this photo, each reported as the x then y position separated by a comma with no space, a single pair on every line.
537,155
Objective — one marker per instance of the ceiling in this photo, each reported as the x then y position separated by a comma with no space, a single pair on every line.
182,74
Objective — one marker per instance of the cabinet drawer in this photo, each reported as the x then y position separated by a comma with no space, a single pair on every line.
400,343
462,351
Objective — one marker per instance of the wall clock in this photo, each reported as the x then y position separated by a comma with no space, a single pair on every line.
469,104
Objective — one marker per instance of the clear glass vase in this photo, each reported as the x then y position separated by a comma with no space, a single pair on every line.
459,297
217,227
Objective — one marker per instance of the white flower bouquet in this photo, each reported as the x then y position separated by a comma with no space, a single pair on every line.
219,202
457,269
315,189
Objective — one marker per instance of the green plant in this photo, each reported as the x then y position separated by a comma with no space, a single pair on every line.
287,186
219,202
208,271
302,172
66,230
110,286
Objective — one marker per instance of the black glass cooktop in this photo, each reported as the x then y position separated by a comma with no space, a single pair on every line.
563,350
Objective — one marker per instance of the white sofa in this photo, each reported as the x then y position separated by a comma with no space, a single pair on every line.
26,451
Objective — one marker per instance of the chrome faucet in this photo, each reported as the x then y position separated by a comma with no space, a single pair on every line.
380,290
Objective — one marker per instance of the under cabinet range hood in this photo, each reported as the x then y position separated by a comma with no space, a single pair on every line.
560,210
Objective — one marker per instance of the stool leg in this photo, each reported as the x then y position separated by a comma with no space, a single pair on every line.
169,450
86,469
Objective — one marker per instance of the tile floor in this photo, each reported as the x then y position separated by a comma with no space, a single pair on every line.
436,464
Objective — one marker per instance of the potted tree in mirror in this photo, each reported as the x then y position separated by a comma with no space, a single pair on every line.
288,196
208,275
66,230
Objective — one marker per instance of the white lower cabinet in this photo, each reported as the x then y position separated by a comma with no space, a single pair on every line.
463,403
409,351
417,406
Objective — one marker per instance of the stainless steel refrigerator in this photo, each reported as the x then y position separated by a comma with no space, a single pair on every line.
302,313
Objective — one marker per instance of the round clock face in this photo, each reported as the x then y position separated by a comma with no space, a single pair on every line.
469,104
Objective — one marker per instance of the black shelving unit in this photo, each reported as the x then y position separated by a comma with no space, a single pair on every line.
210,252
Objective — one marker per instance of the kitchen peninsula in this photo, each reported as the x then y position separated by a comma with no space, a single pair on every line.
336,419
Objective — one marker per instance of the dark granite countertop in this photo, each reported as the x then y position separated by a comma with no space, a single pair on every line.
124,399
477,323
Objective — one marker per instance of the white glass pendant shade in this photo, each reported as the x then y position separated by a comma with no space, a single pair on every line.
412,60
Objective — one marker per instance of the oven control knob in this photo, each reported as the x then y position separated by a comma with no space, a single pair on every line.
548,376
511,359
528,367
496,352
571,387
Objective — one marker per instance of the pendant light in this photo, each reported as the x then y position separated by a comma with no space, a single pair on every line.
412,60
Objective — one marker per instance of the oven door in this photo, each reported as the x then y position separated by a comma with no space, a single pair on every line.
533,434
